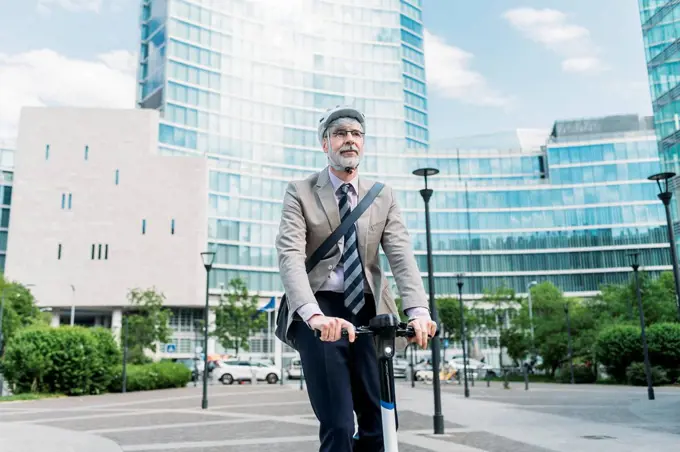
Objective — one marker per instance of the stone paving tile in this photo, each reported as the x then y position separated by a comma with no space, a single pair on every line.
262,429
272,410
130,421
51,414
307,446
487,442
411,420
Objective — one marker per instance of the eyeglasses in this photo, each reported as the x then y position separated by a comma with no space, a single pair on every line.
356,134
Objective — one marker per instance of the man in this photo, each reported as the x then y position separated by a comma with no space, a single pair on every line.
347,288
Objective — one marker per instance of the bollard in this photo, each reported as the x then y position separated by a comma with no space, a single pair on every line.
526,377
488,379
506,383
302,377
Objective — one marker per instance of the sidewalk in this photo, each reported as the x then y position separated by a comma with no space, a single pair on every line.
33,438
490,425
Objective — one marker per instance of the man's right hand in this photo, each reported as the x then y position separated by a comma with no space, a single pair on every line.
331,327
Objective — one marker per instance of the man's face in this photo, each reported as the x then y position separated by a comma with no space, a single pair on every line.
347,144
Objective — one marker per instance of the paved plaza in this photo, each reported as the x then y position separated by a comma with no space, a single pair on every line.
276,418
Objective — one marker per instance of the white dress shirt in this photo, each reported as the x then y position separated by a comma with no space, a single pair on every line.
336,280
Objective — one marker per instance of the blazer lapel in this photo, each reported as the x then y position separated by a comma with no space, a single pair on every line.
324,190
364,220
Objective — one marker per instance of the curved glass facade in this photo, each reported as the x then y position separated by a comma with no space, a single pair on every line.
244,82
661,37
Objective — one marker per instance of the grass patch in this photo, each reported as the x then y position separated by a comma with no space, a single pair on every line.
29,396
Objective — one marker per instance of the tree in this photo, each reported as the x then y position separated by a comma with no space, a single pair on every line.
19,310
550,326
148,323
517,342
498,306
236,316
658,301
449,318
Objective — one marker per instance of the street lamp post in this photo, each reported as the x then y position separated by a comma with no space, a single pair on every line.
426,193
208,258
570,351
125,350
645,351
73,305
665,195
462,334
531,313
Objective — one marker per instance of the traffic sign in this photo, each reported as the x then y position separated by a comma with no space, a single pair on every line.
170,348
446,343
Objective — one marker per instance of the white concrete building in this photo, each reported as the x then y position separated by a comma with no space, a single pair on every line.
96,212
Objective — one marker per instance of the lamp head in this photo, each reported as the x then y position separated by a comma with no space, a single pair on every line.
208,259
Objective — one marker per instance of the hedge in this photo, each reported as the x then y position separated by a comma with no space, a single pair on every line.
637,377
147,377
67,360
619,346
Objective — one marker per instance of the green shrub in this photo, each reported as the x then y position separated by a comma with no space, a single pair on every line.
67,360
617,347
637,377
663,340
109,355
583,374
147,377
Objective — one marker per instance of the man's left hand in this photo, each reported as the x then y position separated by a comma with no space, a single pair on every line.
423,327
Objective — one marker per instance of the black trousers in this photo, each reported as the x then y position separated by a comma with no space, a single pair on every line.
342,378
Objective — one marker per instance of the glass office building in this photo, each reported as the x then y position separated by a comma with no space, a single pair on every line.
565,212
661,34
244,82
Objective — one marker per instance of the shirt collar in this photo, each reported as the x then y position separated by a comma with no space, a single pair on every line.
337,182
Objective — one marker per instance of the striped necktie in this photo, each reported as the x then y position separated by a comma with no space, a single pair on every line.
354,275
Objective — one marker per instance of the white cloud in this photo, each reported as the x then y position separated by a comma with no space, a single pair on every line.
47,78
551,28
449,73
46,6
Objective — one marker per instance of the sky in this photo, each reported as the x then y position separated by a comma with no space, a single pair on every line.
492,65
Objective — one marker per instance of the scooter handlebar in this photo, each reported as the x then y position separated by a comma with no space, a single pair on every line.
407,331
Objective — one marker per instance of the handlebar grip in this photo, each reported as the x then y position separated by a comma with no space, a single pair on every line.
344,333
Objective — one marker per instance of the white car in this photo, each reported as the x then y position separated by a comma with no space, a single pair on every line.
294,369
476,368
240,370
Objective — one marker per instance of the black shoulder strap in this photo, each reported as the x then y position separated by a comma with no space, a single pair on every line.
341,230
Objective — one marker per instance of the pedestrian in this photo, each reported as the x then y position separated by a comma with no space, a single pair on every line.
347,287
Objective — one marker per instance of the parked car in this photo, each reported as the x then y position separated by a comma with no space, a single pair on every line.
230,371
294,369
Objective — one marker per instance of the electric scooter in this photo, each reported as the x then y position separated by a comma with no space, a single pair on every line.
386,327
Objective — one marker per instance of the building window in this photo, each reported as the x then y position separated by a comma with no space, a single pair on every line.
98,249
117,176
87,151
143,226
64,203
47,151
59,251
172,226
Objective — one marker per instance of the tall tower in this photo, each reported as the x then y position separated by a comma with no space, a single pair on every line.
661,34
245,81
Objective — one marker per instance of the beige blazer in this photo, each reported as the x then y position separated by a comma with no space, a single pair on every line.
310,214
